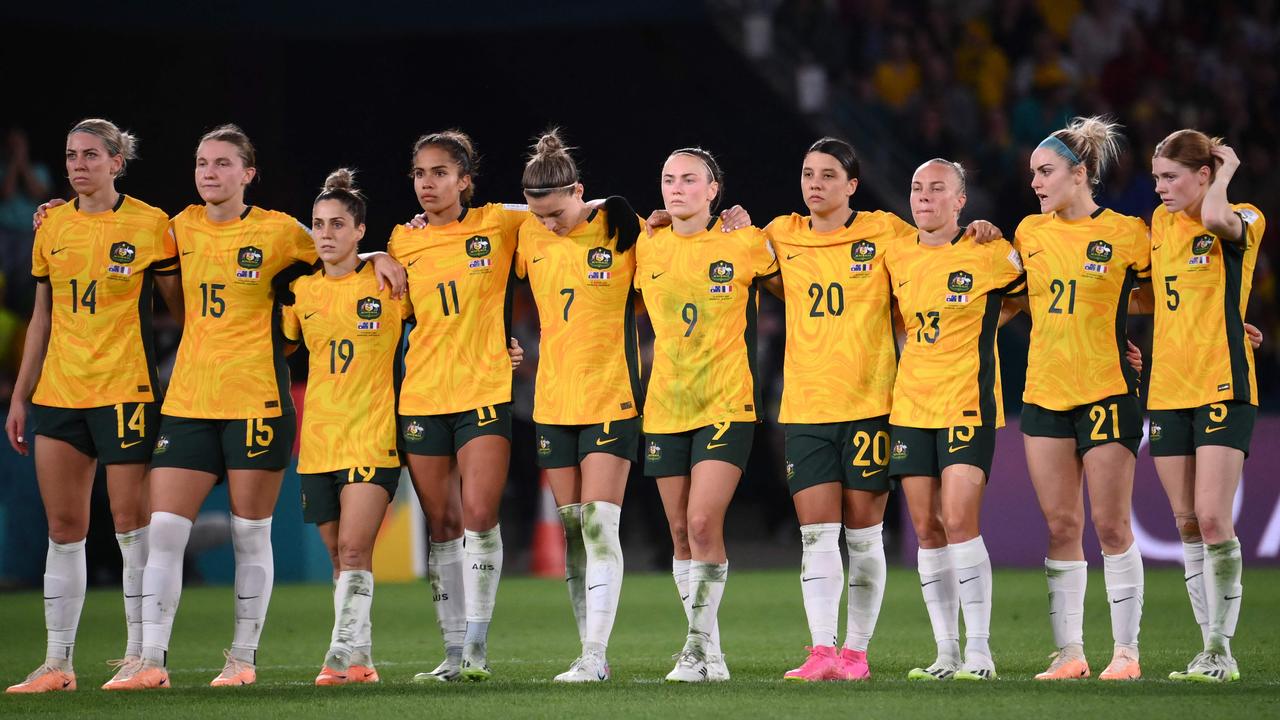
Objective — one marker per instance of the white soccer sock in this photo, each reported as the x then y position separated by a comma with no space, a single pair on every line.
482,568
1193,564
575,564
941,599
362,649
133,554
867,571
1125,586
162,582
448,594
600,522
1224,566
255,576
680,573
973,575
352,598
1067,582
821,580
65,577
706,588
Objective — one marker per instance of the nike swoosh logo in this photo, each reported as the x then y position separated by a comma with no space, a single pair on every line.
930,582
1031,255
187,252
1156,247
593,587
602,441
411,263
128,596
956,448
975,577
55,252
539,259
1193,577
683,598
695,607
713,446
859,585
1214,429
866,474
1117,602
792,257
308,315
482,423
126,446
820,577
55,597
256,453
903,283
246,597
655,276
1230,597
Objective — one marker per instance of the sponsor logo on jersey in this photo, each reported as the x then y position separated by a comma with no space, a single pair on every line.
1099,251
414,431
249,257
863,251
544,445
960,282
721,271
162,445
899,451
369,308
478,246
653,452
599,258
1201,245
123,252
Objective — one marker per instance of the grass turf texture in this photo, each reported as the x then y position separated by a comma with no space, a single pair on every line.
764,631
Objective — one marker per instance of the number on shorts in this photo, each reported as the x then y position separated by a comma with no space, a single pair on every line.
137,421
878,444
258,433
1098,415
963,433
1217,412
365,474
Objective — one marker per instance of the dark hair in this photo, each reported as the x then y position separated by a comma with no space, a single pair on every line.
1095,142
1191,149
550,168
713,167
117,142
843,153
231,133
341,186
461,150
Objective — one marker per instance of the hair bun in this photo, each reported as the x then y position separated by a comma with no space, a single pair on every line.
549,143
341,179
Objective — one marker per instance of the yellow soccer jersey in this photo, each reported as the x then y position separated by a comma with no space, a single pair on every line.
1079,276
841,354
99,267
231,362
950,297
459,277
352,332
588,359
701,295
1199,354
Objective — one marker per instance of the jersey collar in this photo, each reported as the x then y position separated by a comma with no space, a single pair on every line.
114,208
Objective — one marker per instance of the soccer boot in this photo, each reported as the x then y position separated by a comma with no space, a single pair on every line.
589,667
820,665
46,678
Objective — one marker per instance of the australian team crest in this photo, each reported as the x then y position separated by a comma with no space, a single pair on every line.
1099,251
960,282
249,257
162,445
414,431
863,251
369,308
544,445
899,451
478,246
654,451
123,252
600,258
721,271
1202,244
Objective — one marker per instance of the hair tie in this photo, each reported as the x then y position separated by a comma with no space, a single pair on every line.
1053,143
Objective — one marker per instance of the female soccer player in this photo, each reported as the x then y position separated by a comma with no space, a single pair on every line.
1203,396
587,395
1081,411
700,288
88,356
228,409
946,408
455,400
349,464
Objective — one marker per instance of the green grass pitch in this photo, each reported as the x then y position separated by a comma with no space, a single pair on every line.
763,629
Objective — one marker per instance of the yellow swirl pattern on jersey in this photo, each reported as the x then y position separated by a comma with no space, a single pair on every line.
459,280
701,295
1079,277
841,354
231,359
1199,354
99,268
352,332
588,358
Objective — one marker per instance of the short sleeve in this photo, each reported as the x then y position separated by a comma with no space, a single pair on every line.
290,325
764,261
900,226
301,247
406,307
1141,251
166,254
39,263
518,264
513,216
1254,224
1007,274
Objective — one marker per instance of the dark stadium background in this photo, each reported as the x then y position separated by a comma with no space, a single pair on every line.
324,84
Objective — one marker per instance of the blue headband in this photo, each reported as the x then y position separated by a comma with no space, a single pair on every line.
1053,143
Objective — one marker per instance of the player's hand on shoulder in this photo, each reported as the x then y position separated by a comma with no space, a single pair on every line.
37,218
983,232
